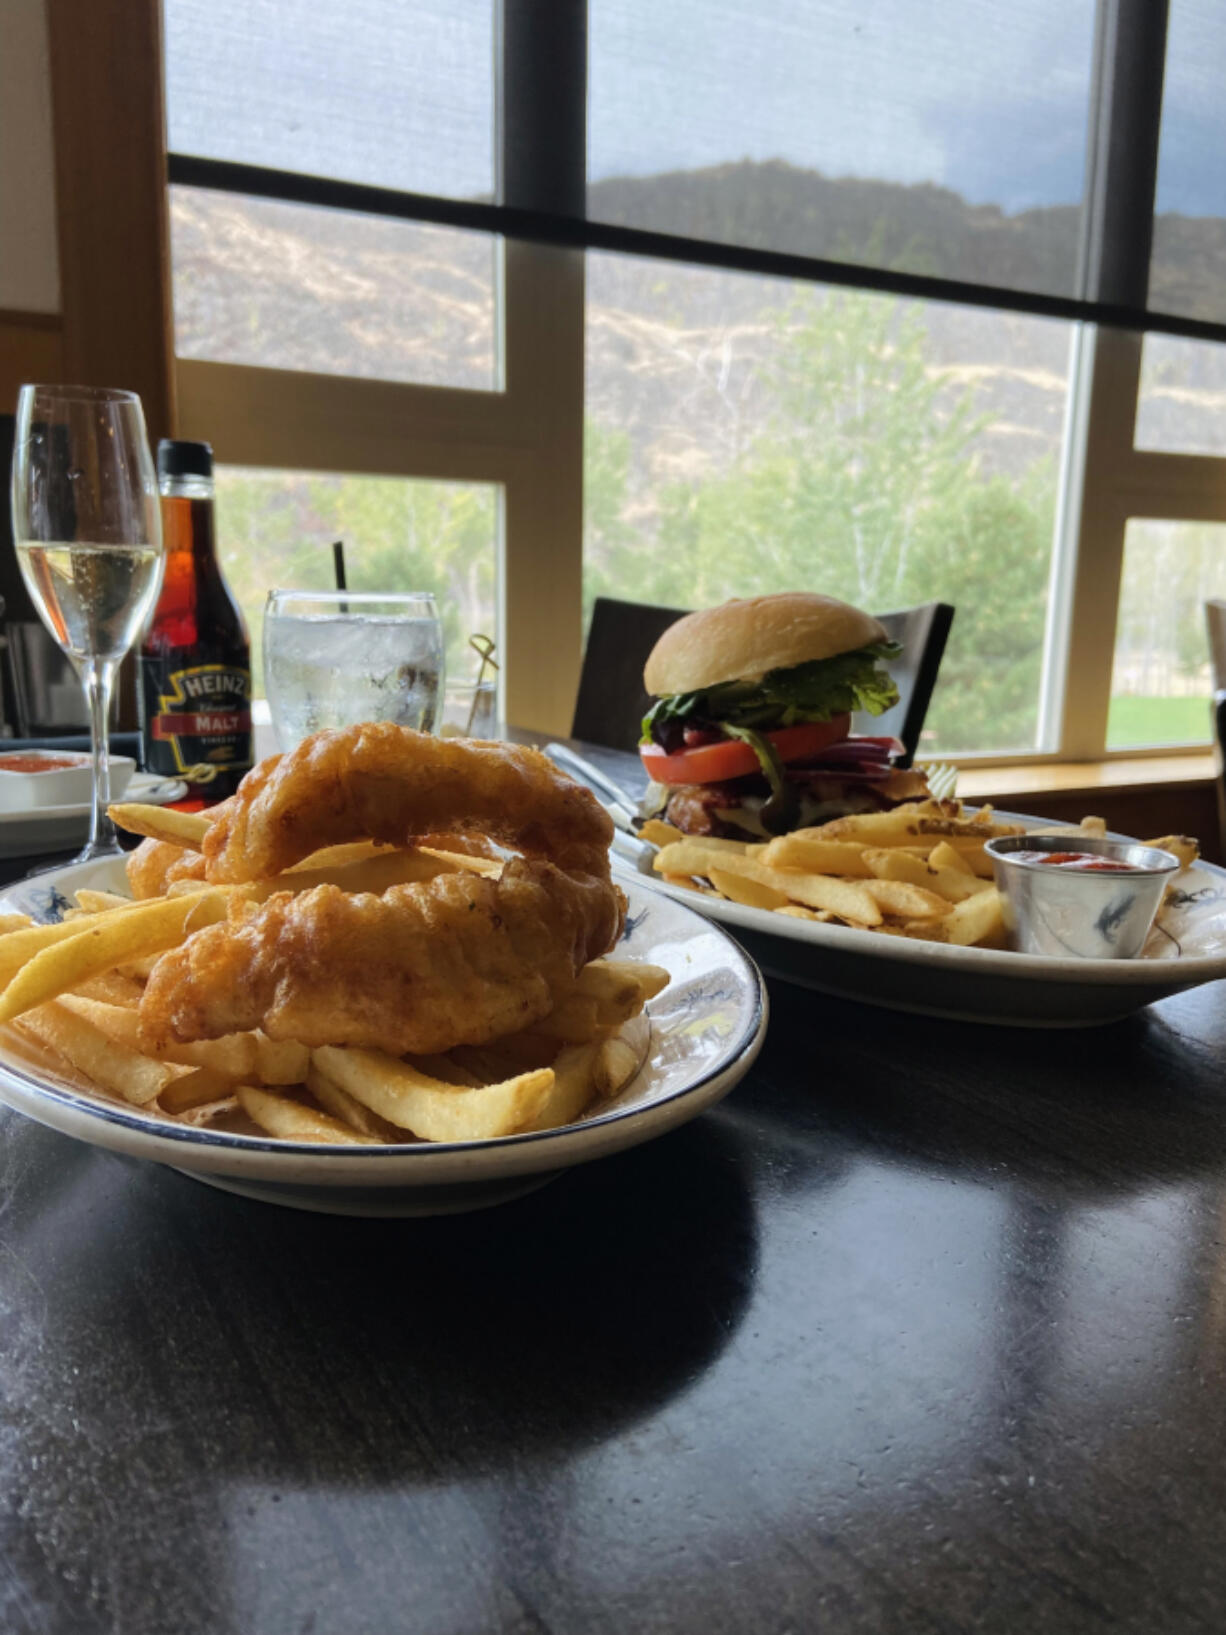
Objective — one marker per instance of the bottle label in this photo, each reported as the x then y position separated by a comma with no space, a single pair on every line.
195,719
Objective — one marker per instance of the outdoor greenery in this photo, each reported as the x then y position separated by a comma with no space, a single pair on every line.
1136,721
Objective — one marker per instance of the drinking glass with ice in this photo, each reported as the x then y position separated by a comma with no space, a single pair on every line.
334,658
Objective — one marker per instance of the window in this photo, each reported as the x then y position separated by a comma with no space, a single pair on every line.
677,328
1161,682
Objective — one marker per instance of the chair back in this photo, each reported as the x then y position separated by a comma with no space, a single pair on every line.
1215,628
921,632
612,699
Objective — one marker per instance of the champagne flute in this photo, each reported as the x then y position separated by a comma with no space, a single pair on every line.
88,529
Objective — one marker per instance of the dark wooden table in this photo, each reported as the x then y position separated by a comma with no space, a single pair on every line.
923,1330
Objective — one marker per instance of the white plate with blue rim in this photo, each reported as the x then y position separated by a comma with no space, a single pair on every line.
699,1038
35,832
1186,948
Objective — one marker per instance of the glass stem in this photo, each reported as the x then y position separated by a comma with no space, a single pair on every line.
97,677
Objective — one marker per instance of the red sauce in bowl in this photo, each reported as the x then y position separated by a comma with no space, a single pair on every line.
1086,862
17,762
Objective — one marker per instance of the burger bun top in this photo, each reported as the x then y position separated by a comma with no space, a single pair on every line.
742,639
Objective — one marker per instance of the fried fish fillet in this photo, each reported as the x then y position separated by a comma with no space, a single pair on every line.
383,782
459,959
155,865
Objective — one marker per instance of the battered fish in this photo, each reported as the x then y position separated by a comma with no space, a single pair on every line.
460,959
155,865
384,782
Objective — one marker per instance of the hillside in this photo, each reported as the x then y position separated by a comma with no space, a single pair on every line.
677,355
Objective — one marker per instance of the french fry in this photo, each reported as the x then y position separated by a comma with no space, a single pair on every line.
335,857
1181,846
412,1100
945,856
621,987
14,922
186,829
574,1021
849,899
97,902
235,1055
18,947
975,920
279,1061
904,900
571,1090
340,1104
372,871
800,851
112,989
114,939
892,828
616,1063
967,829
739,888
583,1074
658,833
112,1066
374,874
971,851
463,862
953,884
199,1087
291,1121
685,880
214,1112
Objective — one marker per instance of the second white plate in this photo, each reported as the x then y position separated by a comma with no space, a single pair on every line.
984,984
59,828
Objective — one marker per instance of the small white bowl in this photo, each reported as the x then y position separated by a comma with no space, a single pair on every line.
33,778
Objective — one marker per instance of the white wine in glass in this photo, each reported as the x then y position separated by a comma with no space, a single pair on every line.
87,526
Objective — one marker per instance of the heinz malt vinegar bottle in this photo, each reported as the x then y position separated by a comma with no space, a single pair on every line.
194,685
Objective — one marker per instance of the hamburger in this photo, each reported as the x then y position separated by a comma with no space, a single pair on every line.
750,735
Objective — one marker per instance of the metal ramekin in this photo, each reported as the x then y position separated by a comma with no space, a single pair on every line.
1074,914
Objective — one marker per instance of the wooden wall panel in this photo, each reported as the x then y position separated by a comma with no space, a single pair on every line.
31,349
110,153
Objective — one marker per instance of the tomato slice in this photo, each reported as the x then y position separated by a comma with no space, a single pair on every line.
731,758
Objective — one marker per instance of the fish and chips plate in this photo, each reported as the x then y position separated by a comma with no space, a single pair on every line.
368,1027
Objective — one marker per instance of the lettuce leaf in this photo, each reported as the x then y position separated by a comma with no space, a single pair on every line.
816,691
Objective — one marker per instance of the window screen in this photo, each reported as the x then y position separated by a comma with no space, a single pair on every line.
938,139
1188,267
394,93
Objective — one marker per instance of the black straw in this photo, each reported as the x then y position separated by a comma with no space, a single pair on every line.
338,568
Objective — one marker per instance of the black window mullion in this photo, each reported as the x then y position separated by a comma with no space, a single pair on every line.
1126,122
542,107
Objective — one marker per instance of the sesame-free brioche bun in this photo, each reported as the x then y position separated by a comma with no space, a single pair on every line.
742,640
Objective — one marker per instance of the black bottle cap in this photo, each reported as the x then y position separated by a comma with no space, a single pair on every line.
180,459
